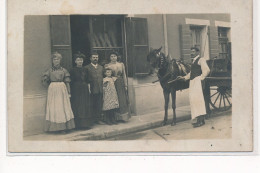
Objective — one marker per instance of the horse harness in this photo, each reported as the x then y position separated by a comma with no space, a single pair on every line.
182,68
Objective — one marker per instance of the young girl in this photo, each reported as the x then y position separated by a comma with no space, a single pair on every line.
59,116
110,99
80,98
118,71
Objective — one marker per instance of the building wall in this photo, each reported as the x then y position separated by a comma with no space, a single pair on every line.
37,59
155,29
174,20
146,101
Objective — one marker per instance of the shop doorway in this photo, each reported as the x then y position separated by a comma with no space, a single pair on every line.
102,34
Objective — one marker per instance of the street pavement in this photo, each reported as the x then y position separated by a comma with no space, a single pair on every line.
217,127
100,132
146,127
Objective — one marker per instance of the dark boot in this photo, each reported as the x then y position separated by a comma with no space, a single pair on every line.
108,121
197,124
197,120
113,117
202,120
107,118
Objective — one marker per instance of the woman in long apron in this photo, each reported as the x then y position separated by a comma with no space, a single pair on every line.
59,115
199,71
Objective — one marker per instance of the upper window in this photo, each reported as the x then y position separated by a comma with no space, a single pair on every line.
199,39
196,36
223,42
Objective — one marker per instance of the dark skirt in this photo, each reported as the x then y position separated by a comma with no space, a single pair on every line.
81,105
123,113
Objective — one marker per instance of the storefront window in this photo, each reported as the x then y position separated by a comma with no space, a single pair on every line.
106,36
101,34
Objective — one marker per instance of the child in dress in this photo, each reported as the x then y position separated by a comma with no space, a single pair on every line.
110,99
59,116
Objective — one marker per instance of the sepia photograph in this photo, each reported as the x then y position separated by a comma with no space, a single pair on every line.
119,77
130,82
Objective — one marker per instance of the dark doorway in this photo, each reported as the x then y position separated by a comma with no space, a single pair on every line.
80,36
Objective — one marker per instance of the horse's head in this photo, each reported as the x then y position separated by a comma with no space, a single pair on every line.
156,58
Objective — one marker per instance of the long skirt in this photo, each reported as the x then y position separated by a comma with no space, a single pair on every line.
59,115
197,102
81,105
123,113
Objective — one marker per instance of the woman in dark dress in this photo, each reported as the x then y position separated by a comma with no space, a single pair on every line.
118,72
80,98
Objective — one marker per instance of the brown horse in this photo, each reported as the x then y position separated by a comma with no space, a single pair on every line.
168,70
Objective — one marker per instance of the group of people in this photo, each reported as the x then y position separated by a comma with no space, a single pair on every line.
79,98
85,96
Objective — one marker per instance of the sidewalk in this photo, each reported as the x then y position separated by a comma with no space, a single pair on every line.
98,132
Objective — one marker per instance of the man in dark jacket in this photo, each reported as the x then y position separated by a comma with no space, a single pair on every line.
95,78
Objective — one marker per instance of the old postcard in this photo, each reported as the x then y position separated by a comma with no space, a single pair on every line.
129,76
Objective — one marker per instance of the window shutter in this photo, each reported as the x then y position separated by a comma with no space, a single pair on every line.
138,46
186,42
213,42
61,38
129,46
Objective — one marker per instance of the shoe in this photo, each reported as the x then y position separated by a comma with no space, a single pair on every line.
100,123
113,120
201,123
108,122
197,120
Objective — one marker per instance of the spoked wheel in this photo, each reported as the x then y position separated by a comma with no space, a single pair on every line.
220,98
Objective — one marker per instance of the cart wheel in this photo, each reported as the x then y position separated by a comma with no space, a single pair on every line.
220,98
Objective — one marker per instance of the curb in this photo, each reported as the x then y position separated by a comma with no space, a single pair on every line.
124,131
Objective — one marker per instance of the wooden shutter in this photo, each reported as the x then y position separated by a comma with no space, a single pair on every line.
138,47
61,38
186,42
213,42
129,47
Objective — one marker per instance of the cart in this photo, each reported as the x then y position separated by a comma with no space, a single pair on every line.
218,85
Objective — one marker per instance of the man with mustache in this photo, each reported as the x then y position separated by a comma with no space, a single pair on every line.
95,78
199,71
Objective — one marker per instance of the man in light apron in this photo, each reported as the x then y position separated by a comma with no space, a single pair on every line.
199,71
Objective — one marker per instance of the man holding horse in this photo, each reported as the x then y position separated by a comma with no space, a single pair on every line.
199,71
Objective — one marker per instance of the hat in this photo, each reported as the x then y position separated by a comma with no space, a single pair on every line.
79,55
113,52
93,53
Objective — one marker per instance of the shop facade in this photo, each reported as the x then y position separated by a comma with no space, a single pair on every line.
132,36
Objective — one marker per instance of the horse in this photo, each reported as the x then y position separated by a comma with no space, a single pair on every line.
168,70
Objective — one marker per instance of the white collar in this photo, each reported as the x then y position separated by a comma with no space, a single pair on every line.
196,57
94,65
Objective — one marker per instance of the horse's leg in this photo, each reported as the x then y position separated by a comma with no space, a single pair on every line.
166,95
173,94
